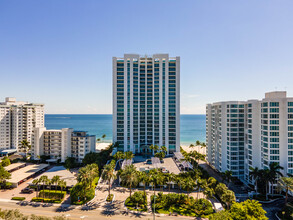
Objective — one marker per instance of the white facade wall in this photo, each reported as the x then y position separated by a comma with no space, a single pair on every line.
268,134
60,144
17,122
146,102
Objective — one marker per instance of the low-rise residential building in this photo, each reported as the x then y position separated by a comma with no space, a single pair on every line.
254,133
63,143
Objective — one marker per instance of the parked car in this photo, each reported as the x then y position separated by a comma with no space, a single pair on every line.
27,190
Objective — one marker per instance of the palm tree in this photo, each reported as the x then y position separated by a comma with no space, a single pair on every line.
255,174
44,179
143,178
25,146
198,143
286,183
154,148
197,157
55,180
228,197
170,177
109,175
161,180
129,155
62,184
129,176
153,178
227,175
103,137
201,184
119,156
274,173
98,140
188,185
86,175
36,182
179,180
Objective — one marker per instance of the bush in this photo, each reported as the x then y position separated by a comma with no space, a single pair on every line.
5,161
18,198
110,198
40,199
79,196
6,185
52,194
181,204
138,201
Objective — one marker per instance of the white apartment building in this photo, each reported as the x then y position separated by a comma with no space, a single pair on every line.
17,122
60,144
248,134
146,102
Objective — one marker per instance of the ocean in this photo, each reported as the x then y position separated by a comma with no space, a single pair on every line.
192,127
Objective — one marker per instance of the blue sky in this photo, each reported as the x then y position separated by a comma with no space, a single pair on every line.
60,52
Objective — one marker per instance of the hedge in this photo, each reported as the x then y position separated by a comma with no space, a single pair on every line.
51,194
40,199
18,198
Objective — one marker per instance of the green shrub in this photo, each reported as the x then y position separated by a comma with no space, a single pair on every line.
138,201
40,199
181,204
110,198
51,194
6,185
18,198
79,196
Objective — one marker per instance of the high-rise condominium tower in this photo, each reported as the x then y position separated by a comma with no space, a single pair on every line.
146,102
17,122
254,133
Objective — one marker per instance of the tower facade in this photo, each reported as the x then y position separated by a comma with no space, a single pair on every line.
146,102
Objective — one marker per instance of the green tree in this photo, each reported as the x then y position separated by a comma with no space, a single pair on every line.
286,184
44,179
36,182
86,176
255,174
119,156
228,197
227,175
103,137
5,161
188,185
154,148
70,163
143,178
4,175
129,155
62,184
274,173
90,158
170,177
129,176
222,215
25,147
249,209
161,180
109,175
55,180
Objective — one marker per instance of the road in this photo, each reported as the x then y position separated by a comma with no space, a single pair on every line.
79,213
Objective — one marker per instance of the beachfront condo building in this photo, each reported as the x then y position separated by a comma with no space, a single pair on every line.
63,143
254,133
17,122
146,102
